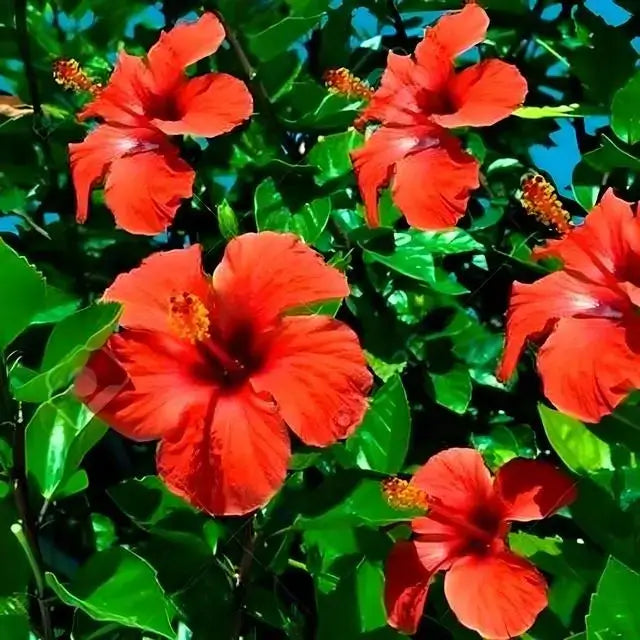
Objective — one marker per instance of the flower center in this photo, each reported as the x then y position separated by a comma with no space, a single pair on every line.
342,81
69,74
188,317
481,529
539,200
402,495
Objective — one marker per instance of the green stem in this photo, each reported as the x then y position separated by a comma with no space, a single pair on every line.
552,51
25,531
397,22
296,564
18,531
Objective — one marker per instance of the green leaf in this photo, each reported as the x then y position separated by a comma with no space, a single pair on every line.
331,155
563,558
14,618
351,502
587,176
104,531
414,253
347,570
504,443
271,213
614,613
579,449
384,370
147,501
625,118
116,585
278,37
453,388
556,111
227,221
58,436
381,442
67,351
22,294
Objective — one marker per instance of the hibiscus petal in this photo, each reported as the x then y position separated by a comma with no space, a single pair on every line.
209,106
145,292
603,368
431,187
316,371
374,162
126,96
181,46
438,543
533,489
262,275
232,464
455,32
142,382
606,245
484,94
499,596
144,190
91,158
534,308
405,587
407,93
457,478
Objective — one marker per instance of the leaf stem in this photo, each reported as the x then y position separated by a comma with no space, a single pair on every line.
22,32
296,564
397,22
259,90
552,51
243,571
25,531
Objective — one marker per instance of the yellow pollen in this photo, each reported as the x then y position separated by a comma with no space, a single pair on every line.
539,200
402,495
69,74
188,317
342,81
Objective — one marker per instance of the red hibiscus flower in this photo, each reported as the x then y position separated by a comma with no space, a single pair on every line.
585,314
418,100
488,587
145,101
214,367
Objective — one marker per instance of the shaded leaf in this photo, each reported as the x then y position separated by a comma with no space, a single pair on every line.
116,585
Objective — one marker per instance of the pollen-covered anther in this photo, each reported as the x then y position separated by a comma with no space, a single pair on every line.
401,494
188,317
68,73
539,200
342,81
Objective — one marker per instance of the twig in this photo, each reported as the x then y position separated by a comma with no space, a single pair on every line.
243,572
397,22
552,51
20,13
20,9
26,531
259,90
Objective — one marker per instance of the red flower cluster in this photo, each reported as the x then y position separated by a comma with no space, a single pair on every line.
215,367
585,314
419,99
145,102
488,587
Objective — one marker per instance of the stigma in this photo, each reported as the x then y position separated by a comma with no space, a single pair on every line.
342,81
188,317
68,73
539,200
402,495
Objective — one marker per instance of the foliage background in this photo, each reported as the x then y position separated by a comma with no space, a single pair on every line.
104,549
